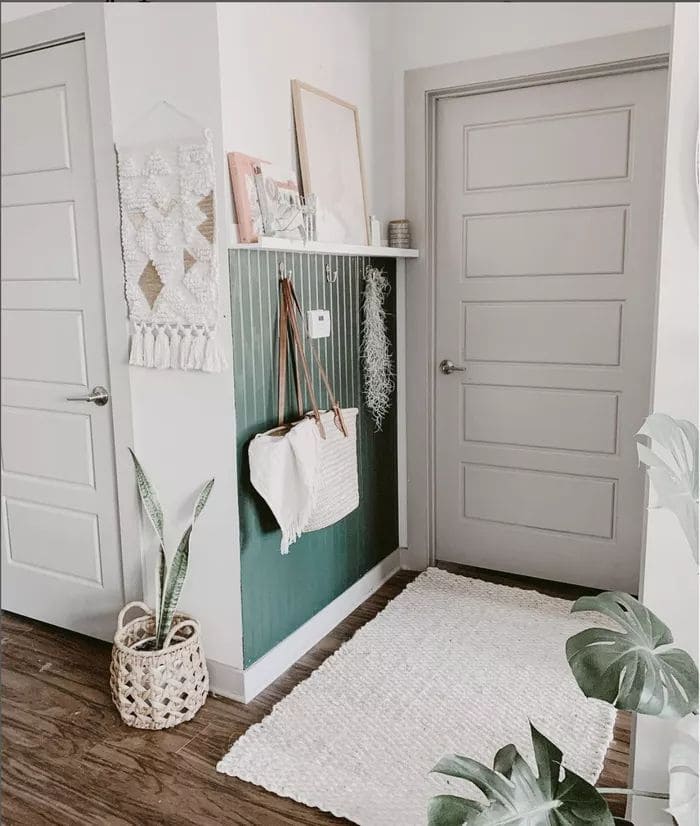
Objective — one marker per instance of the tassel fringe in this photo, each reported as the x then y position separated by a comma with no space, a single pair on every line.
176,347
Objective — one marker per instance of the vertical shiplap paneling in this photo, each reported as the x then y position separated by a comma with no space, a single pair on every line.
280,593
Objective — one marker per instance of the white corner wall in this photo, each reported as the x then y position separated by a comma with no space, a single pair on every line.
13,11
184,423
264,46
669,576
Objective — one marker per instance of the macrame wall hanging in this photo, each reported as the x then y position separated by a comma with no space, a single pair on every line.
168,226
378,372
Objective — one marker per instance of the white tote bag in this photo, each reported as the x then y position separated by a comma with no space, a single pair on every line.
306,470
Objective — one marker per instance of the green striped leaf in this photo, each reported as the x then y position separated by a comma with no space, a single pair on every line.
149,498
160,588
151,505
178,570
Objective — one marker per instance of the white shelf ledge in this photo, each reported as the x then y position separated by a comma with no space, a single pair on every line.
287,245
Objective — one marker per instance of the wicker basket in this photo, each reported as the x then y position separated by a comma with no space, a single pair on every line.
157,689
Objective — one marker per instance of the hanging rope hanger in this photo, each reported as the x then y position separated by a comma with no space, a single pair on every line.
159,105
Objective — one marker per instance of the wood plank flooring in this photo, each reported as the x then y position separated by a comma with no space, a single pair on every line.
67,758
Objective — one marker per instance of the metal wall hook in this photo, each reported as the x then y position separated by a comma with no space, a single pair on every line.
331,277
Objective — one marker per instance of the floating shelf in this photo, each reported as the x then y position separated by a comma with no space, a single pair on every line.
287,245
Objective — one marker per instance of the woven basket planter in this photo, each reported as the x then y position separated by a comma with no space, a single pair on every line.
157,689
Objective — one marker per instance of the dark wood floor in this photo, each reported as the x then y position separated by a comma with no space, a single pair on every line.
67,758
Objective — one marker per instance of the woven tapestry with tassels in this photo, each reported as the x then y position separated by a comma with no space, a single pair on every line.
168,228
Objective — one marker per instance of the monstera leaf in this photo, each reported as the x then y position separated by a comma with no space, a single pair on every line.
635,669
674,472
556,797
683,773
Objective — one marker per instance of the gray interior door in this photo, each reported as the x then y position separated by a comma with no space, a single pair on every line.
61,557
548,211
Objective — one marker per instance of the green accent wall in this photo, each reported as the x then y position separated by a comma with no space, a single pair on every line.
280,593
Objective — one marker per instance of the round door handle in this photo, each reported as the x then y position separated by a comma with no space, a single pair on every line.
447,367
98,395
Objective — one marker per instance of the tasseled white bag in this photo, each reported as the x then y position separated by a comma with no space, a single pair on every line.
306,471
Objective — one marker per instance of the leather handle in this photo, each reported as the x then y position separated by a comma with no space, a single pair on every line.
299,351
333,401
284,324
288,324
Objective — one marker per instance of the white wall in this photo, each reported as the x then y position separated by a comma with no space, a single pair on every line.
413,35
264,46
13,11
669,576
184,423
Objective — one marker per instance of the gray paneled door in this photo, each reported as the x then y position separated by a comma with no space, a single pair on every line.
548,209
61,559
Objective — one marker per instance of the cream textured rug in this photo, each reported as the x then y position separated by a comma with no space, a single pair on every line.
451,665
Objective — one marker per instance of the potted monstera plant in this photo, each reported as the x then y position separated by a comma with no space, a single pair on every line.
158,674
634,667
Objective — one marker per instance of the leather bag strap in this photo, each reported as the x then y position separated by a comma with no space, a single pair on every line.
288,324
292,311
283,349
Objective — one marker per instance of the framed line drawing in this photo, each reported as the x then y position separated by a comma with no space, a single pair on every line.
330,158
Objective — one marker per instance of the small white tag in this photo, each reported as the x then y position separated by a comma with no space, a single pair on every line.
318,323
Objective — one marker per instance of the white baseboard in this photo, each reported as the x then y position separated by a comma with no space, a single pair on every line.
245,685
226,681
248,684
410,561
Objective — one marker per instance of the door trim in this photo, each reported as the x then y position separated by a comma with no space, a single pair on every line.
618,54
85,21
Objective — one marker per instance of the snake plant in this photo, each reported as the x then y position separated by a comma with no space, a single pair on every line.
634,668
169,579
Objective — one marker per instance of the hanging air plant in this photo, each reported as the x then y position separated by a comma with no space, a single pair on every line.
376,347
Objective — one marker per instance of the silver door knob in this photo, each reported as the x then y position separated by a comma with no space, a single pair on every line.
447,367
98,395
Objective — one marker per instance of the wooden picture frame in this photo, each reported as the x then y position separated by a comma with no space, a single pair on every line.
331,163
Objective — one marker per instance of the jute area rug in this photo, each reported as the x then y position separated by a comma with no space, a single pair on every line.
451,665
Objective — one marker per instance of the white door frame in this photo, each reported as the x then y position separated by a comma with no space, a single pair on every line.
85,21
617,54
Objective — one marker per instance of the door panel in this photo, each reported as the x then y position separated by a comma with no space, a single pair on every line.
48,444
535,499
23,358
548,206
584,420
42,235
547,242
543,332
35,134
35,532
61,559
538,150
